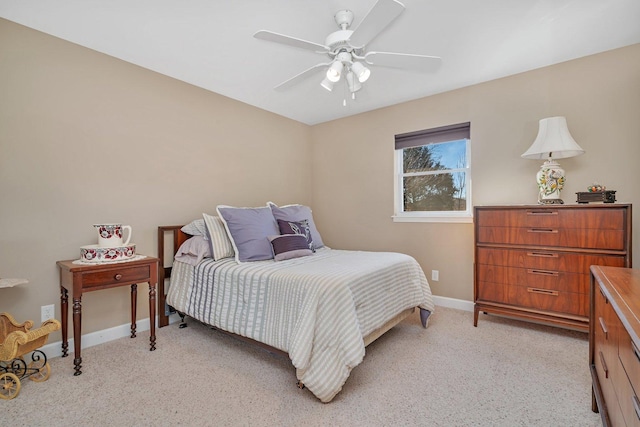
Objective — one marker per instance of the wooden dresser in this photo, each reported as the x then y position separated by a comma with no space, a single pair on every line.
532,262
614,346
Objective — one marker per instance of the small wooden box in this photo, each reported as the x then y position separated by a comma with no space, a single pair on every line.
606,196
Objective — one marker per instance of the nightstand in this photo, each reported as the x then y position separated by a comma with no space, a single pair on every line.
80,278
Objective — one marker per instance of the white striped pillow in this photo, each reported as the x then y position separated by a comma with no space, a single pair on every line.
220,244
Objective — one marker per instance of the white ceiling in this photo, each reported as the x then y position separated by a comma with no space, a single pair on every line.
210,44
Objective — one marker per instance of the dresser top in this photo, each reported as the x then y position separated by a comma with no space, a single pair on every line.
565,206
622,288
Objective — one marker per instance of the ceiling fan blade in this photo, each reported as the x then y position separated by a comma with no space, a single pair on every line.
291,41
404,60
376,20
299,77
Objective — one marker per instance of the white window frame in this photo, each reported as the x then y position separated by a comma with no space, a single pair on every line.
400,215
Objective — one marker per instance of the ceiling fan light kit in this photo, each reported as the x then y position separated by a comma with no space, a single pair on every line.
346,49
327,84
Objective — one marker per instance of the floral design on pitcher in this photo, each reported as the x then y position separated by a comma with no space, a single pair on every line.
106,231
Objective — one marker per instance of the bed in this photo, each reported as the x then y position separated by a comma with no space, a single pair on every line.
320,310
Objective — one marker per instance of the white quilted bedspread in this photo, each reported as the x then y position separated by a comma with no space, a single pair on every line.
316,308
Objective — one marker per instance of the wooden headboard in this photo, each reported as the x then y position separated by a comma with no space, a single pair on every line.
178,238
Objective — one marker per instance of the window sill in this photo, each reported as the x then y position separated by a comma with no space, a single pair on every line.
466,219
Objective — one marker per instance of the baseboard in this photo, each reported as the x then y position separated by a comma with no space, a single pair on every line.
106,335
459,304
100,337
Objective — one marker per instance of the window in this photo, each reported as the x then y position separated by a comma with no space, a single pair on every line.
433,175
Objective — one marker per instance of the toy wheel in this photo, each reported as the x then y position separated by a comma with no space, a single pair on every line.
9,386
39,374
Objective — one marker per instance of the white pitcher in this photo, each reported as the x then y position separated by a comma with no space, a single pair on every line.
110,235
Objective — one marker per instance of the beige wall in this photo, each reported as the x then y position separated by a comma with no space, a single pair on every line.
600,97
86,138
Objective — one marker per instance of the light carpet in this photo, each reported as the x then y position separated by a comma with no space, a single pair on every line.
502,373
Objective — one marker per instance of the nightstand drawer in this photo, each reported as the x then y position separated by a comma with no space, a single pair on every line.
116,276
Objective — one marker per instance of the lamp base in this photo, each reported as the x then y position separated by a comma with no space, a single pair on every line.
551,202
550,179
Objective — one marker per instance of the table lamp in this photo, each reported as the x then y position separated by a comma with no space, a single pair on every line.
553,142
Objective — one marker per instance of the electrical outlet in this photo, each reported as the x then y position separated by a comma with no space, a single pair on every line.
435,275
47,312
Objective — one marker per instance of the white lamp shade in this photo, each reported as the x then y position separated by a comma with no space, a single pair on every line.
353,83
361,71
553,140
333,73
327,84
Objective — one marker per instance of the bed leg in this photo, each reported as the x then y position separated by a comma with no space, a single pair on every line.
183,324
424,317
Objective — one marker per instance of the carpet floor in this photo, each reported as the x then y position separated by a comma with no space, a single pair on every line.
502,373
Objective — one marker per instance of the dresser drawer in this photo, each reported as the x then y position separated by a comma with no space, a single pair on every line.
629,355
546,260
535,277
627,399
536,298
552,236
549,300
122,275
581,218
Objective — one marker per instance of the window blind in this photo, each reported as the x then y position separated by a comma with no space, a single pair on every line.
434,135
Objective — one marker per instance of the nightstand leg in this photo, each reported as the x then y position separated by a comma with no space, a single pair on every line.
152,314
64,313
134,302
77,334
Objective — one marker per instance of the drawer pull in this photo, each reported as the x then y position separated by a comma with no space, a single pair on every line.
604,327
606,300
542,212
543,254
636,405
635,350
543,291
544,272
604,365
118,276
542,230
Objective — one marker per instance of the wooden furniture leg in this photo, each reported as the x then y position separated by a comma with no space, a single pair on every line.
152,313
64,312
77,331
134,302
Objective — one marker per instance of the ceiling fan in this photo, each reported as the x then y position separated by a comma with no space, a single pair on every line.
346,49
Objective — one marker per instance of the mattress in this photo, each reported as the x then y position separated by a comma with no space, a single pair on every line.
316,308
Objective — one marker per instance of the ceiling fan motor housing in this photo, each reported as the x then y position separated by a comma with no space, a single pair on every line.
339,41
343,18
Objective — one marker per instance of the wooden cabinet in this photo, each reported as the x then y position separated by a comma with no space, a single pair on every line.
614,346
532,262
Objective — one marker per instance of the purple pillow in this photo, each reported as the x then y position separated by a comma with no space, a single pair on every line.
288,246
297,213
297,227
249,230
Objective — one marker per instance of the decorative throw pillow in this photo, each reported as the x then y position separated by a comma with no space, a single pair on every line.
221,246
288,246
297,227
193,250
297,213
249,230
196,227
